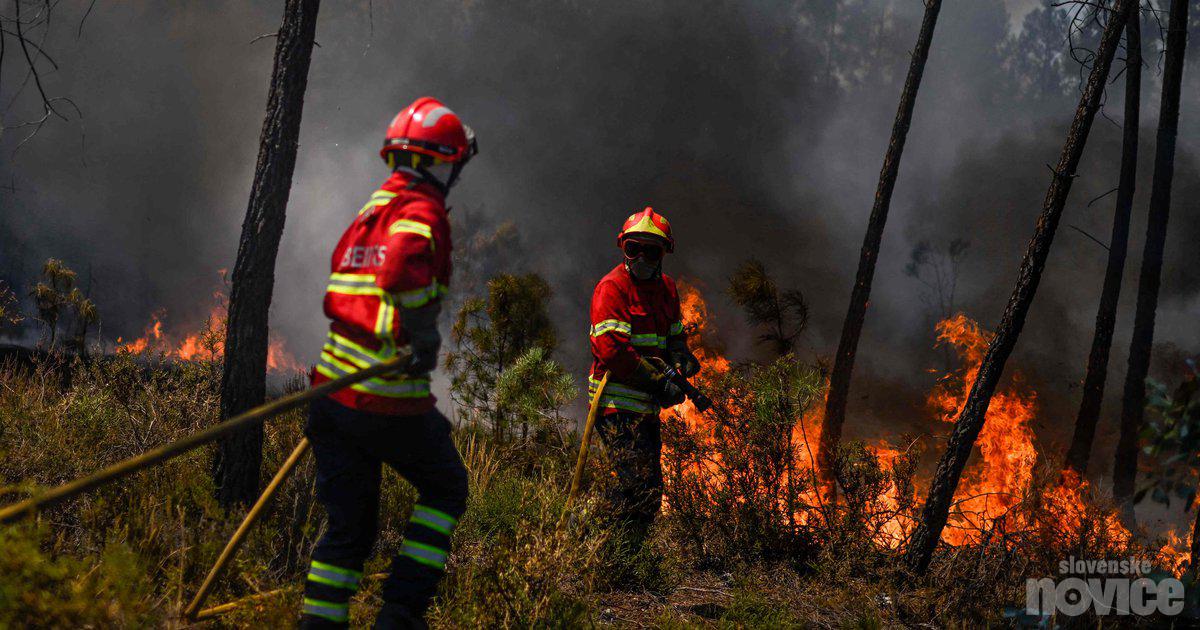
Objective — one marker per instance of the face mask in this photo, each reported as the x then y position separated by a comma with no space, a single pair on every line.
642,270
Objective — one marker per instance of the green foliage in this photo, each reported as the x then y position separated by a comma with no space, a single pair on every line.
783,314
40,589
533,389
490,334
734,483
56,295
519,562
1172,437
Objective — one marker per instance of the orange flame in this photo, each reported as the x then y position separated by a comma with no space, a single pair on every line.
990,489
993,486
203,343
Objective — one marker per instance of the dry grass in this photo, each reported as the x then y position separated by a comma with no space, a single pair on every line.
131,554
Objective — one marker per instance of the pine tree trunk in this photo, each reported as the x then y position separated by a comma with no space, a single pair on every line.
970,421
839,379
1106,315
1134,401
243,382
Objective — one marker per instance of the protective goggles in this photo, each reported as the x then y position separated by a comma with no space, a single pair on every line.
650,252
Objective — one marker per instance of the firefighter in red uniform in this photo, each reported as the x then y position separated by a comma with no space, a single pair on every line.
389,273
636,331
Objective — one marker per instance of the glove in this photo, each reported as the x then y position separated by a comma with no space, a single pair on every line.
669,394
650,376
683,359
421,326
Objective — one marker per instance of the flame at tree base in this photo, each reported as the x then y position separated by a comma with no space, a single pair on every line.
995,499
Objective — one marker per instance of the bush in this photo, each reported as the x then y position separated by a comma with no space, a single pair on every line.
736,486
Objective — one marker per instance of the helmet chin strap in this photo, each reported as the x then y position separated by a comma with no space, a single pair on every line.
423,173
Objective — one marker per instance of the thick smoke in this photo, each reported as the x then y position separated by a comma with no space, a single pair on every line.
758,128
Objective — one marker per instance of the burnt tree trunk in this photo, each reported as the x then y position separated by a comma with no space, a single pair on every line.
1134,401
243,382
970,421
843,366
1106,315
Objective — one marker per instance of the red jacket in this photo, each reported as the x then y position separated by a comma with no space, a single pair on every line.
395,254
630,319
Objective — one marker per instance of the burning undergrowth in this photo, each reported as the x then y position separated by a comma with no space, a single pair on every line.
742,483
203,341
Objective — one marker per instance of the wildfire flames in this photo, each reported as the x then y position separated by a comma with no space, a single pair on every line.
203,343
994,487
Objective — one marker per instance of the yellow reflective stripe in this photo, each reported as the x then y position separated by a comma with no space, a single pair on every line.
342,289
353,278
420,297
348,345
333,611
383,319
617,390
379,198
626,404
425,554
412,227
349,357
651,340
331,367
353,284
611,325
676,329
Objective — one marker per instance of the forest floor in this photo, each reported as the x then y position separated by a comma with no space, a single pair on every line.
131,554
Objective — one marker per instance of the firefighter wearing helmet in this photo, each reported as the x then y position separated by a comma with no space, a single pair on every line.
636,332
390,271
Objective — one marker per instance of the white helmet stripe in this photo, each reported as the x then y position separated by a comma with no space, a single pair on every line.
432,117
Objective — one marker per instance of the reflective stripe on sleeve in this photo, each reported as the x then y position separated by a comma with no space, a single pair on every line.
412,227
379,198
420,297
611,325
648,341
616,389
676,329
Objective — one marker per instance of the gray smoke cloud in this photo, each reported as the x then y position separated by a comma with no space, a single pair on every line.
757,128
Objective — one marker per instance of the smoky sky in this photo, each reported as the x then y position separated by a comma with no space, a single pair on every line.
757,128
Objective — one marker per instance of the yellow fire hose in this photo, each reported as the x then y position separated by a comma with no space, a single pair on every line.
577,478
238,536
162,453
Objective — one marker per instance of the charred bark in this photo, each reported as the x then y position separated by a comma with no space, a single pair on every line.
243,382
1133,402
843,366
1106,315
970,421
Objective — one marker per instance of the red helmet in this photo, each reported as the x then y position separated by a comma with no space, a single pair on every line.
428,127
647,222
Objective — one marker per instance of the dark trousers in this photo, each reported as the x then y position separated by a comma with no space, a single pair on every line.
350,447
634,443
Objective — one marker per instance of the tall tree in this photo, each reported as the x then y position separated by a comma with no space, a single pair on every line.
839,379
1133,402
1118,247
970,421
243,382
